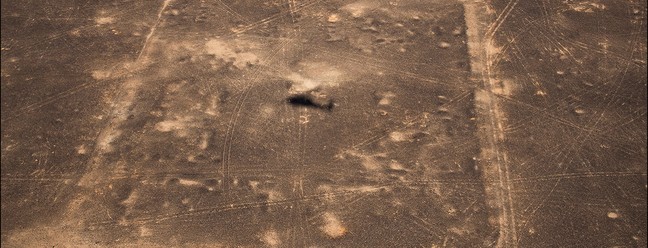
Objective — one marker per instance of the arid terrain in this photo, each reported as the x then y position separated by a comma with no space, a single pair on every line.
324,123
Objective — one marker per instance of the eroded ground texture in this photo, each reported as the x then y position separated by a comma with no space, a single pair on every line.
323,123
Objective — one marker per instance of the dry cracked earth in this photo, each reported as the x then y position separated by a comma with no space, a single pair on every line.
324,123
